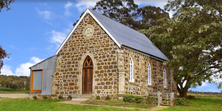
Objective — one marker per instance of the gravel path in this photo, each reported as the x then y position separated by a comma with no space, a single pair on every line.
14,95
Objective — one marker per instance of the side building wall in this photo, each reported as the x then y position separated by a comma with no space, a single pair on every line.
140,74
48,68
103,52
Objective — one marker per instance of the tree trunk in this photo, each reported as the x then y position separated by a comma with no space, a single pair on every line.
183,92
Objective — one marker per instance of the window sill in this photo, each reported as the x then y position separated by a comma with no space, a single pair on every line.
132,81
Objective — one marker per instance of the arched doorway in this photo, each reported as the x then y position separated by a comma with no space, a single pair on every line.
87,76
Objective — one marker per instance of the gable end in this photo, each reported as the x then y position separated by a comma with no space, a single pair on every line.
87,12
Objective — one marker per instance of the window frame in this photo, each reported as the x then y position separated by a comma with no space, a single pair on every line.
131,70
164,78
32,81
149,74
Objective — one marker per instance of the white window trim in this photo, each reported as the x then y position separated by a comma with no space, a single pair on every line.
164,78
131,70
149,75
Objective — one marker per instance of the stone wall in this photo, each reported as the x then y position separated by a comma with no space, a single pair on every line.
140,85
102,50
110,66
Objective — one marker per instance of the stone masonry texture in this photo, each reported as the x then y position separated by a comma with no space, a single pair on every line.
110,66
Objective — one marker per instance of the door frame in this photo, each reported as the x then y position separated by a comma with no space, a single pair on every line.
86,66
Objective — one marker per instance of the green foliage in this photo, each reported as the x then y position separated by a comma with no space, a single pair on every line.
15,82
69,97
180,101
35,97
98,98
128,98
151,100
107,98
138,99
191,97
129,14
5,4
191,39
131,98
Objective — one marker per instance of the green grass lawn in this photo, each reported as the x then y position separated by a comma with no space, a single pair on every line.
43,105
9,90
119,103
201,103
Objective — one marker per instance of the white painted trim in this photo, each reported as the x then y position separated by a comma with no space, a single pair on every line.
105,29
87,11
131,66
164,78
149,78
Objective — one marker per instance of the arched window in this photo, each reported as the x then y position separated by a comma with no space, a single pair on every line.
149,74
131,70
164,78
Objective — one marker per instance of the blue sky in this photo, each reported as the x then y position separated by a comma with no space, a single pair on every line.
32,31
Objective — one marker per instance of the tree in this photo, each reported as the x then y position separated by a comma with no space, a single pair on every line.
128,13
119,10
3,55
192,40
5,4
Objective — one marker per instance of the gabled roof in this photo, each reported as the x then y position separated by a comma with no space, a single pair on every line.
121,35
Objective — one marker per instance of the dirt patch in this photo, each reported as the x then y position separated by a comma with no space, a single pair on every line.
14,95
81,102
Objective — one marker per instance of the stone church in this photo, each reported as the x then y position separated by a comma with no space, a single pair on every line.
101,57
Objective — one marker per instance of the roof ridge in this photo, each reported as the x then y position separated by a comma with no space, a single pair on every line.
117,22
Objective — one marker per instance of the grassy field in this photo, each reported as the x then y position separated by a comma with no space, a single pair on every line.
119,103
9,90
43,105
201,103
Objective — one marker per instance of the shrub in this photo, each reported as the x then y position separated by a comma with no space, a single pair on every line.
97,97
44,97
107,98
180,101
138,99
128,98
151,100
69,97
191,97
35,97
60,97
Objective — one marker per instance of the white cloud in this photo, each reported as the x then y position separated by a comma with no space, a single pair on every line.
67,6
22,70
204,84
6,70
159,3
83,4
46,14
57,37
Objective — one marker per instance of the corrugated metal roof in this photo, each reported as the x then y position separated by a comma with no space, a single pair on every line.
128,36
54,56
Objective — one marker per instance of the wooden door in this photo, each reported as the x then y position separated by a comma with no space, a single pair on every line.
87,76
